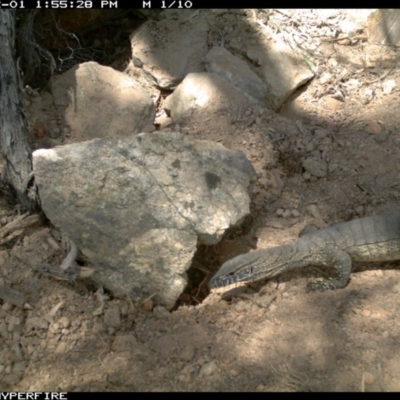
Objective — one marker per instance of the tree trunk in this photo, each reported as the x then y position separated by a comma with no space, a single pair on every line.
13,132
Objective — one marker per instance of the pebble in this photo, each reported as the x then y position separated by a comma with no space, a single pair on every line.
234,373
295,213
241,305
373,127
321,133
13,323
187,354
307,176
381,137
37,323
147,305
369,378
112,317
6,306
325,77
286,214
64,322
61,348
360,210
315,166
208,368
333,167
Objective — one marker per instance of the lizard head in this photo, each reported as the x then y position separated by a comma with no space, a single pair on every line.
238,269
264,263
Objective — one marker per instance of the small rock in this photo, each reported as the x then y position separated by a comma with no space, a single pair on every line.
240,306
286,214
307,176
373,127
187,354
112,317
208,368
111,330
149,128
295,213
6,306
124,343
388,86
36,323
260,388
326,77
280,211
54,131
369,378
272,308
14,321
64,322
147,305
234,373
61,348
315,166
360,210
19,369
321,133
39,129
381,137
333,167
55,327
161,311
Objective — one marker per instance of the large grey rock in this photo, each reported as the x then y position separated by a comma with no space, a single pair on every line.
170,49
219,61
282,70
137,205
97,101
208,97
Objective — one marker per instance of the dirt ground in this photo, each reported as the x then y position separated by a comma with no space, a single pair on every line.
330,155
